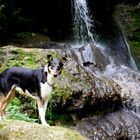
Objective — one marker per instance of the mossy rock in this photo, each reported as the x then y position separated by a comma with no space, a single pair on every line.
20,130
28,37
14,56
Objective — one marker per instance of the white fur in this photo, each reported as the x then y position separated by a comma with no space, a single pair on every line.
46,90
46,69
19,90
42,111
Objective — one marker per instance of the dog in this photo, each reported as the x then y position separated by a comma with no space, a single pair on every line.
36,83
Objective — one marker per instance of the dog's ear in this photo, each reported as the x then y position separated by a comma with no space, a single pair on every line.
63,60
49,58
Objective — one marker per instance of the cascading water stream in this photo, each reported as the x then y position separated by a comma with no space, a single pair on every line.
82,22
132,62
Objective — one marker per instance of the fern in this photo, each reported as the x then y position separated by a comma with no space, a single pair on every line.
13,112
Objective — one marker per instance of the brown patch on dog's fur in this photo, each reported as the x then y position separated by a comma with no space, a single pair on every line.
5,100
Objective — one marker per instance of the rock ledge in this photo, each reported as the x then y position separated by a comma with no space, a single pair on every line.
21,130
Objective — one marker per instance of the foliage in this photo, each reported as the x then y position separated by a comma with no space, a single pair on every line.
23,37
27,37
131,27
20,57
135,40
59,96
15,113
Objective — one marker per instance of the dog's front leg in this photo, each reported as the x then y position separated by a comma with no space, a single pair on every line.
41,106
46,104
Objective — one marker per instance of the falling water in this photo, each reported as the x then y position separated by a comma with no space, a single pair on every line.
82,22
132,62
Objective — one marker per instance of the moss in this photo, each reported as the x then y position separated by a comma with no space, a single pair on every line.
135,40
22,57
19,134
23,131
2,126
131,26
28,37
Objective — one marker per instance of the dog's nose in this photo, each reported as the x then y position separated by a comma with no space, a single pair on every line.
55,75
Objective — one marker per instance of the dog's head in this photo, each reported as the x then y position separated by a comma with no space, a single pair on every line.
55,66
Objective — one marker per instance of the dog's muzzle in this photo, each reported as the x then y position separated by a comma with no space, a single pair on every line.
55,75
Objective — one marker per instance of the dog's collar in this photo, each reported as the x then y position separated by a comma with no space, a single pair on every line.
51,85
45,76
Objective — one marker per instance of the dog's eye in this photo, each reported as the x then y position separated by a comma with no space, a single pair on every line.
52,67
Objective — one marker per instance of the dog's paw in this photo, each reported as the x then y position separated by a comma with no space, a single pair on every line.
46,124
2,118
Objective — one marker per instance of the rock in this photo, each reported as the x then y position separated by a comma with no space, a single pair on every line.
20,130
122,124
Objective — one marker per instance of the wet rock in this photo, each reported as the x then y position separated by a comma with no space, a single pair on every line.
92,56
122,124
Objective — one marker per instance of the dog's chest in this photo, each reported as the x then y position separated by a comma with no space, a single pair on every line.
46,90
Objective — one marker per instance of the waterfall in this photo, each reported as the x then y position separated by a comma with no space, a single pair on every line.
132,62
82,22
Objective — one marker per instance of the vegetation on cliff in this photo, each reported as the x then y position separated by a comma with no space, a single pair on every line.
128,16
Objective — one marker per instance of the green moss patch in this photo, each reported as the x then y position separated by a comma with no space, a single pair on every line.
29,131
31,58
28,37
